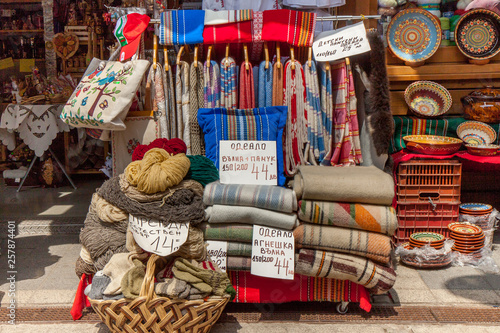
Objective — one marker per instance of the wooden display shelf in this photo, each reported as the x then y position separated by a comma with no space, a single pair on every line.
444,72
37,31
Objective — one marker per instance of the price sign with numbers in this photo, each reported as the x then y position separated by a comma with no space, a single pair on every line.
248,162
273,253
218,253
153,236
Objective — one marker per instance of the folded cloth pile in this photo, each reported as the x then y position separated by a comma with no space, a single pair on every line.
233,209
346,223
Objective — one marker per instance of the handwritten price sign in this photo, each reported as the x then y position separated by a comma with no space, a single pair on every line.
153,236
218,253
273,253
248,162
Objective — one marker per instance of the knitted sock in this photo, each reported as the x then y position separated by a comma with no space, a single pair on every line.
182,272
99,284
132,281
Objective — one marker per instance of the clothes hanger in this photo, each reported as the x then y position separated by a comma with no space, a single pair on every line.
309,56
278,55
245,53
195,56
292,57
266,54
226,58
179,55
165,57
155,51
209,53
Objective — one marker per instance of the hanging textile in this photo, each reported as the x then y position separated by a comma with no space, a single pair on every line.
180,27
196,101
182,98
228,92
170,106
159,92
296,131
265,95
211,85
346,147
289,26
313,110
238,32
247,93
326,108
257,42
277,85
227,16
241,4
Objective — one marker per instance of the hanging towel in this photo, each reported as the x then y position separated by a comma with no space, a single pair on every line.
227,16
182,98
265,85
229,94
257,24
313,110
247,93
238,32
296,123
180,27
289,26
160,102
211,85
277,85
326,108
170,106
196,101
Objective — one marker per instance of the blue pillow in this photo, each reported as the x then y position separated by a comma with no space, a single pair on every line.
264,124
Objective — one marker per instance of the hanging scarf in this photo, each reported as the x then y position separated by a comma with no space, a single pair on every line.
211,85
160,102
296,123
229,94
265,85
326,110
247,93
213,17
346,147
181,27
182,98
289,26
277,85
196,101
170,107
313,108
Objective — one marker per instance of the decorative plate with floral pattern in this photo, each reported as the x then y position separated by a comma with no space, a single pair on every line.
477,34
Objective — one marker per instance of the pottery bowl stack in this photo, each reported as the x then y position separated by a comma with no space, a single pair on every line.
469,238
476,213
427,260
478,138
433,239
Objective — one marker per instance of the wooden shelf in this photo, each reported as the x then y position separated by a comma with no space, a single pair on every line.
36,31
444,71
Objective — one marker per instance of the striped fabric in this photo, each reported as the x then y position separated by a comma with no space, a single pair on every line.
227,232
315,128
238,263
277,84
257,42
211,87
227,16
170,105
375,218
182,102
261,196
326,108
377,278
265,95
247,92
293,27
239,249
196,101
228,86
369,245
237,32
181,27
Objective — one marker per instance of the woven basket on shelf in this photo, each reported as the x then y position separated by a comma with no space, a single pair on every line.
152,313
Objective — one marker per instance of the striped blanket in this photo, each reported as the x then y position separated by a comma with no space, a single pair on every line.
250,215
227,232
238,249
374,218
235,263
181,27
362,243
376,278
275,198
289,26
213,17
211,86
228,85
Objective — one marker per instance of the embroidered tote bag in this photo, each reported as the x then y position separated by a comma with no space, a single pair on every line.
104,95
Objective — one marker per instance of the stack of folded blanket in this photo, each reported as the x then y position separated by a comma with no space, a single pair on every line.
346,223
233,209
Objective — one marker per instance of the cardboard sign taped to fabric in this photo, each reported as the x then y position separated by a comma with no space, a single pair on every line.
341,43
248,162
218,253
155,237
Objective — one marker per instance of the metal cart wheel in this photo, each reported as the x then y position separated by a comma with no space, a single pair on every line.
342,307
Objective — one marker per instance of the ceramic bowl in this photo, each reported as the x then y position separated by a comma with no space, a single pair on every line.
482,150
464,228
427,98
414,35
477,34
476,132
475,207
432,144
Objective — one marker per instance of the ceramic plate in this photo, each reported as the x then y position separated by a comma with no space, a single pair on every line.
432,144
427,237
477,34
464,228
428,98
475,206
476,132
414,35
483,150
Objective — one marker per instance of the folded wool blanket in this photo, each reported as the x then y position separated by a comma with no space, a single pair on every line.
236,32
365,244
260,196
376,278
227,232
238,263
237,249
181,27
117,267
213,17
181,206
175,288
374,218
344,184
289,26
251,215
106,211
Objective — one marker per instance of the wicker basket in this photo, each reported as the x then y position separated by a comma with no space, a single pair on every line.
151,313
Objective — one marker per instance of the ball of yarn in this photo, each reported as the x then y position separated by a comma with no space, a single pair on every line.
139,151
202,170
173,146
106,211
176,146
157,171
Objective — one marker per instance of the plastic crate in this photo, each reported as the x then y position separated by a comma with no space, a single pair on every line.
426,215
421,180
402,235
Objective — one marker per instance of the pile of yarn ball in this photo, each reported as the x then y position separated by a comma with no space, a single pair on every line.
173,146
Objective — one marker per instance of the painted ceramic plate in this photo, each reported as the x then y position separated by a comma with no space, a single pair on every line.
475,206
414,35
482,150
427,237
476,132
427,98
464,228
432,144
477,34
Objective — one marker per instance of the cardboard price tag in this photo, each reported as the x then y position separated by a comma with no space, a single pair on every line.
152,236
341,43
248,162
218,253
273,253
